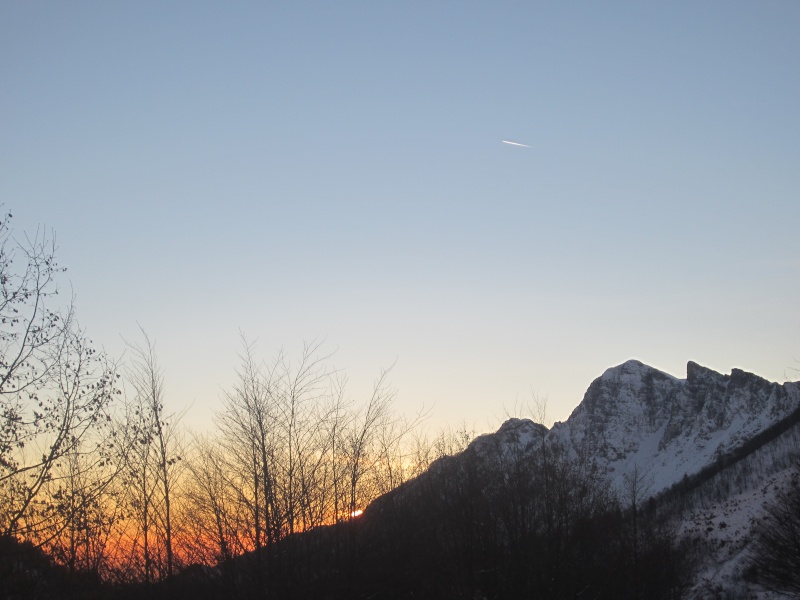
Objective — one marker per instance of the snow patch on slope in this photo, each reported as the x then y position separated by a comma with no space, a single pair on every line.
723,531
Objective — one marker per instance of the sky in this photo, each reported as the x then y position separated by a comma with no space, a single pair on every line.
336,171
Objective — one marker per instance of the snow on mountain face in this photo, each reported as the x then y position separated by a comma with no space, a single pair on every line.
513,436
636,421
635,418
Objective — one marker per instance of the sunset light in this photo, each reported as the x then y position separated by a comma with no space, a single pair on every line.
520,278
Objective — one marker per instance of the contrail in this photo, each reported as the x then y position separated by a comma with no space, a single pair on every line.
515,144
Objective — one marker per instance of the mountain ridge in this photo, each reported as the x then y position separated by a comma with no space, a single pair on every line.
650,488
712,450
637,418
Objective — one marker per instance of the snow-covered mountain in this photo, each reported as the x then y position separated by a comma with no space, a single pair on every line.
731,440
637,418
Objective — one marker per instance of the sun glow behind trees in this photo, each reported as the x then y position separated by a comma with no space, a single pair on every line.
98,471
290,454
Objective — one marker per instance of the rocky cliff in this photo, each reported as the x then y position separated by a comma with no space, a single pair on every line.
635,418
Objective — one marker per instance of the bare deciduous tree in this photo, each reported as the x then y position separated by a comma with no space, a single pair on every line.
214,533
55,389
304,456
152,462
88,507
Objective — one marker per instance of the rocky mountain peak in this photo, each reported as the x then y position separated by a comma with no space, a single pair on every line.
635,417
514,435
696,372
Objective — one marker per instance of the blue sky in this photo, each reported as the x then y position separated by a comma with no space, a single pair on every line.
335,171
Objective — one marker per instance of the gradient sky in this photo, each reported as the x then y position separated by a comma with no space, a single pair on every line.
335,170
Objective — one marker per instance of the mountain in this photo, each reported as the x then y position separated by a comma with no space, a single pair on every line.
635,418
650,489
712,450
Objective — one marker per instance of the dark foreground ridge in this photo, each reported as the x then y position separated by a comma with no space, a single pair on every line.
591,508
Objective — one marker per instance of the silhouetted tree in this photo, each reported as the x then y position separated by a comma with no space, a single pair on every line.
56,391
214,530
775,551
89,507
152,459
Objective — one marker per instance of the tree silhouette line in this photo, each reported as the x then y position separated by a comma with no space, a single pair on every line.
104,491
